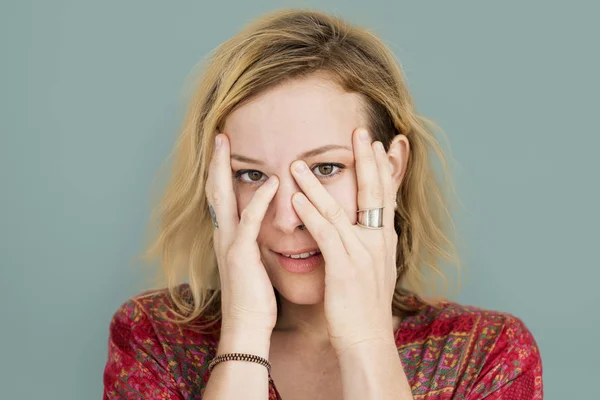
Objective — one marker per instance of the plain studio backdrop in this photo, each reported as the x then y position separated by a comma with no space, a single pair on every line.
91,97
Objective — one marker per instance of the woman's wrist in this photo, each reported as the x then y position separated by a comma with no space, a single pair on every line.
257,342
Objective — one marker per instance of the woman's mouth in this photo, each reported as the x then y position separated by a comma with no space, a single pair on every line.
300,262
302,255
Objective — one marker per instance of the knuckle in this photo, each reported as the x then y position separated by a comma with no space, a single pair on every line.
368,158
362,192
220,196
377,193
335,214
232,255
217,197
312,184
324,235
247,217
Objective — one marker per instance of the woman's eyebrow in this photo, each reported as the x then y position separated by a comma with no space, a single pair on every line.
306,154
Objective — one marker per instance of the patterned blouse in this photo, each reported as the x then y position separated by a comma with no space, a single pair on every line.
448,352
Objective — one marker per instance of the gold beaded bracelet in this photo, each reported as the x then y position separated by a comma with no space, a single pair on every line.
239,357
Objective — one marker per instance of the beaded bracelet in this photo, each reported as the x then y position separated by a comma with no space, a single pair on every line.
239,357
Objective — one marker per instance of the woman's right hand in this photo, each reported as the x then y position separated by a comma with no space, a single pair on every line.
247,296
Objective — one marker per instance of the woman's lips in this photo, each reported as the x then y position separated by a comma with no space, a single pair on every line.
300,265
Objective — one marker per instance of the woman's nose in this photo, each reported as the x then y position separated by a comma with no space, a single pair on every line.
285,218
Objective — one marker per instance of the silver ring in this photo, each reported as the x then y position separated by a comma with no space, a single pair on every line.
370,218
213,216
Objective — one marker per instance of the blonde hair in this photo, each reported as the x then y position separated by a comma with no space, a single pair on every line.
291,44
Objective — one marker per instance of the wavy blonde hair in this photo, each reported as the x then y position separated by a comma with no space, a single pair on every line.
284,45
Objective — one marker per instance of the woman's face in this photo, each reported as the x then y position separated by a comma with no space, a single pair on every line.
310,119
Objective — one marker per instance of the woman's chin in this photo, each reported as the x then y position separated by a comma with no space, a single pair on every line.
305,290
302,297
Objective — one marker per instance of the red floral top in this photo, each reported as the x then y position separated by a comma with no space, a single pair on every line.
448,352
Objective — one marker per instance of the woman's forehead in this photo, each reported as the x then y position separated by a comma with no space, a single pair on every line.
294,117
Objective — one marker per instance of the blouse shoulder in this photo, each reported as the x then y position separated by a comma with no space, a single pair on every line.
149,353
156,307
471,351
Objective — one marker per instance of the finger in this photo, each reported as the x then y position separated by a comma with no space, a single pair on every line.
324,203
325,234
220,190
389,195
252,215
370,194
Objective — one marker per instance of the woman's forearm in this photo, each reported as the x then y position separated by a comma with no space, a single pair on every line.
240,379
372,370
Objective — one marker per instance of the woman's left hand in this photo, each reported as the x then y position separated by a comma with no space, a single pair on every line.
360,263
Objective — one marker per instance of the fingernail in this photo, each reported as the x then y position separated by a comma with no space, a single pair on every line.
299,198
218,141
300,166
363,135
272,180
379,147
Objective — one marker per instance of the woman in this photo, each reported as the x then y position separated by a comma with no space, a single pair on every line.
304,213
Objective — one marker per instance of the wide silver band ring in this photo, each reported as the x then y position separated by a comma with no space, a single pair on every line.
370,218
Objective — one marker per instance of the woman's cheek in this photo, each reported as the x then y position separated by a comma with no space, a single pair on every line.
242,198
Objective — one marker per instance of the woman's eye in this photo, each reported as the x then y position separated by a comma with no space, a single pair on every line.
250,176
255,175
326,170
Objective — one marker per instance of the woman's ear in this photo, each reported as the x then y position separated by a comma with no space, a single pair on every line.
398,158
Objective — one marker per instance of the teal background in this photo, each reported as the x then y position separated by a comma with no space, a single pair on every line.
91,99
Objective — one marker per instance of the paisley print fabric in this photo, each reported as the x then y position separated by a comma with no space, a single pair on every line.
448,352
